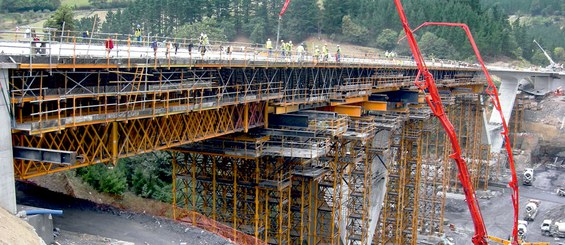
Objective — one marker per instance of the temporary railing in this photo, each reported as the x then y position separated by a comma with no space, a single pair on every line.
293,147
125,48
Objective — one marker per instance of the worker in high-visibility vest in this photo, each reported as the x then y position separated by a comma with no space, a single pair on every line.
283,48
316,53
289,47
137,33
300,52
269,46
325,52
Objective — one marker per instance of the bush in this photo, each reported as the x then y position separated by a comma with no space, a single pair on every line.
103,179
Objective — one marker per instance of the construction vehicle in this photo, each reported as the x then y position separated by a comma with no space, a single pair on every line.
531,210
528,176
552,65
522,229
558,229
546,227
561,191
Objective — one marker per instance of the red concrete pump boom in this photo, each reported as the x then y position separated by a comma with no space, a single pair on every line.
493,94
434,101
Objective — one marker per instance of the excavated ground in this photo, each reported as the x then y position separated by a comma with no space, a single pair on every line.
86,222
542,147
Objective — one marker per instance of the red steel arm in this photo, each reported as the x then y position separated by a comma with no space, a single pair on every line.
493,94
284,8
434,101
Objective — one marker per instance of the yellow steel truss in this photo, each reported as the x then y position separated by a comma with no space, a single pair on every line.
102,143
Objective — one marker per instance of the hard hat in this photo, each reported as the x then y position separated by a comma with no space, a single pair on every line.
338,45
290,41
138,26
282,40
316,46
268,39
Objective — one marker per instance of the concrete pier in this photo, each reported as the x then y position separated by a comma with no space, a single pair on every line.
7,182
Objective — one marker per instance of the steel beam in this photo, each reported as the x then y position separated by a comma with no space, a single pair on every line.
45,155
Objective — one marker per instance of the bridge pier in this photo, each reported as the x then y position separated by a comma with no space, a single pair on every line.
7,182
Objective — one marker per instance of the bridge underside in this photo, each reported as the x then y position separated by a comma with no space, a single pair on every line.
288,154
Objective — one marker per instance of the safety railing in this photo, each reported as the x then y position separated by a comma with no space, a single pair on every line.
307,148
76,46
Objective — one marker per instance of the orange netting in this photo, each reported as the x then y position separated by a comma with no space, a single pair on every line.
225,231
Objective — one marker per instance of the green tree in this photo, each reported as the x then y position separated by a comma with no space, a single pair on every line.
210,26
559,54
332,16
113,182
63,16
539,58
352,31
430,44
387,39
301,20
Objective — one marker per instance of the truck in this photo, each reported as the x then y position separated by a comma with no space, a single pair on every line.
531,210
546,227
558,229
561,191
522,229
528,178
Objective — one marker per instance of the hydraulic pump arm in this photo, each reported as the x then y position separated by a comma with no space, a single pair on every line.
434,101
493,94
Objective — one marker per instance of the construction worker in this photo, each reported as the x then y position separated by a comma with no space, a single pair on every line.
269,46
168,49
190,46
300,52
137,33
338,54
289,47
154,46
206,41
176,45
109,44
325,52
283,49
200,41
316,53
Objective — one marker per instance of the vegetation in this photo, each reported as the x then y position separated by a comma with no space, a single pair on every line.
28,5
147,175
63,17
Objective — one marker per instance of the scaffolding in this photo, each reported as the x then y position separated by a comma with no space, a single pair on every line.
240,189
467,115
434,178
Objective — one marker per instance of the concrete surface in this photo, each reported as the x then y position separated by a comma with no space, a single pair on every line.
507,95
43,225
7,189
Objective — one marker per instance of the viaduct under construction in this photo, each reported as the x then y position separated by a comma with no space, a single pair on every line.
285,151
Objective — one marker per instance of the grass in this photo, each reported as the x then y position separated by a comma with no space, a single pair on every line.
77,3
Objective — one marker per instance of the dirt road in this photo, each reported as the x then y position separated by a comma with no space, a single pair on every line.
85,217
